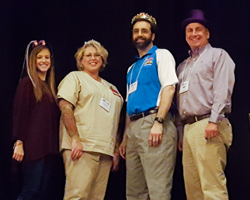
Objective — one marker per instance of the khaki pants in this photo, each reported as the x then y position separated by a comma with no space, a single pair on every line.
150,169
204,161
86,178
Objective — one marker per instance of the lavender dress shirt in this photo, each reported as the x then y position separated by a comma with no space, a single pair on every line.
210,72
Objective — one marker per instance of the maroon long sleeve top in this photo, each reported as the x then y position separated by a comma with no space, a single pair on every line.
35,123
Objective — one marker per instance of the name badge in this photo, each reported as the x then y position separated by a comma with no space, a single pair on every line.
105,104
184,87
132,87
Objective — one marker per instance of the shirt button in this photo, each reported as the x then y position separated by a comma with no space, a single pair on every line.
184,112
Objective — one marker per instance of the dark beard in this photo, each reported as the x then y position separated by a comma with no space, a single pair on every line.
142,45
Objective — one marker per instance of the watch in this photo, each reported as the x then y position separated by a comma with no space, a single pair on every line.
159,119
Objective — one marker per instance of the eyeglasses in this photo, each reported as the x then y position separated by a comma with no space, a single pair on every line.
143,31
93,55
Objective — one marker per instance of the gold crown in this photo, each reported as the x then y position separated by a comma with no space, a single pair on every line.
145,16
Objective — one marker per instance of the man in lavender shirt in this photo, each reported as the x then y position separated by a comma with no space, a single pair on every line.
206,81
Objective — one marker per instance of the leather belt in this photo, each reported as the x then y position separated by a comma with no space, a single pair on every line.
134,117
192,119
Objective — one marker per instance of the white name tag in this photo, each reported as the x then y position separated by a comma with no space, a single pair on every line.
184,87
105,104
132,87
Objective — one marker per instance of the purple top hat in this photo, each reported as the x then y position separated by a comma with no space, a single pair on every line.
197,16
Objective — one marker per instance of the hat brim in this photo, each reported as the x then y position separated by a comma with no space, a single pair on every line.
192,20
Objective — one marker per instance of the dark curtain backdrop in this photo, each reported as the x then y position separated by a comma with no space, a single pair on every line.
67,24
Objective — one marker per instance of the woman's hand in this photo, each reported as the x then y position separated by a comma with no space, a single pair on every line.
76,148
18,151
116,160
122,148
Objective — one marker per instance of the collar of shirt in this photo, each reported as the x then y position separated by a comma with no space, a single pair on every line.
151,51
198,51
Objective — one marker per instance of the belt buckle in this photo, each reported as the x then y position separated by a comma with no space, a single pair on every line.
151,111
196,119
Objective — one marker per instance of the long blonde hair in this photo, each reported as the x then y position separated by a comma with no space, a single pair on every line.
40,87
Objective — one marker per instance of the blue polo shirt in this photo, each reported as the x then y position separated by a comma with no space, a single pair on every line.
145,72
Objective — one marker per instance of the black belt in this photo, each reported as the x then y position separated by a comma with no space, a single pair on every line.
134,117
192,119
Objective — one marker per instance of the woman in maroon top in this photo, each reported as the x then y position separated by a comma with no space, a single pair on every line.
35,122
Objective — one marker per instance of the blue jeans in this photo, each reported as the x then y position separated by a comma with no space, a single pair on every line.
38,179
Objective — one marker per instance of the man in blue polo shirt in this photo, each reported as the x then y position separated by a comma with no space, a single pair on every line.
150,138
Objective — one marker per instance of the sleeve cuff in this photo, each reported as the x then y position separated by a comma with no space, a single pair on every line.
214,117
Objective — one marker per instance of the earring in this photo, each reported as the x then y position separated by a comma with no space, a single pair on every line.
81,67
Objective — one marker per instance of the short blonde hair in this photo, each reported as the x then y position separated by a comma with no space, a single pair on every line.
99,48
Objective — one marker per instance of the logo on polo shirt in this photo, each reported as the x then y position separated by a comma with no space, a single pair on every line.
149,61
